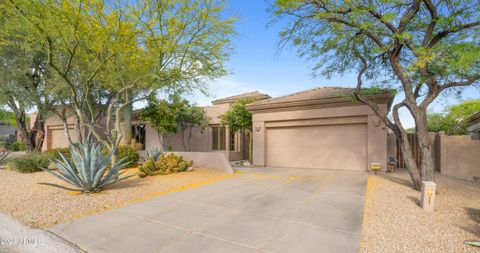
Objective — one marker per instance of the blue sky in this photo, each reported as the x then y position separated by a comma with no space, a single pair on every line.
258,64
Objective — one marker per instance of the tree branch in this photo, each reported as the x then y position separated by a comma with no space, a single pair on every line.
441,35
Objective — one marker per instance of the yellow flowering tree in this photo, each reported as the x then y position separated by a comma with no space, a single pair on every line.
110,54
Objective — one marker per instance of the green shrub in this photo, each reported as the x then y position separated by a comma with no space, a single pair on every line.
13,146
164,165
21,146
54,154
129,154
29,163
5,145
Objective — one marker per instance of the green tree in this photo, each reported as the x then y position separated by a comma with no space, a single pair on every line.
163,116
454,121
26,83
7,117
190,117
419,48
238,118
110,54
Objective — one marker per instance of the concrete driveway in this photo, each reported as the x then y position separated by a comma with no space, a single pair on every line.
262,210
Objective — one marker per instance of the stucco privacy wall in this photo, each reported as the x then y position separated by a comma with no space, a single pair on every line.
211,160
376,132
458,156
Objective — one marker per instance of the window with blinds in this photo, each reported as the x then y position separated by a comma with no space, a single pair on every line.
218,138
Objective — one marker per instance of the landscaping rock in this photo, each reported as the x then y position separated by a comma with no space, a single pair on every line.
394,221
43,206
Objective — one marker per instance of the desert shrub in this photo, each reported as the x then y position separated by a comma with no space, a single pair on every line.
54,154
13,146
21,146
164,165
29,163
89,170
6,145
18,146
129,154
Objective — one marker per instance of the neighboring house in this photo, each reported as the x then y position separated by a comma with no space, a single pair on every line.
320,128
474,126
7,132
213,139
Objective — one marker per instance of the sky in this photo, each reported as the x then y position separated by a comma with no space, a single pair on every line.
257,64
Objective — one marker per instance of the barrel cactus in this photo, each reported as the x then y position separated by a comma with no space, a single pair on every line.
89,170
164,165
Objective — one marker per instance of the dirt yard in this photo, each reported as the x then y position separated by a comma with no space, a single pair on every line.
43,206
394,222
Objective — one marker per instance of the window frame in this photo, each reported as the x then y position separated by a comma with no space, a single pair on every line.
234,142
217,142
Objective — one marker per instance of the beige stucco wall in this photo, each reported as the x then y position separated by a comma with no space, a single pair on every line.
376,132
459,156
391,145
200,140
55,133
198,143
210,160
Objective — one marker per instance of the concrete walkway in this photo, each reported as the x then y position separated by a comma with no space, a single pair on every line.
263,210
18,238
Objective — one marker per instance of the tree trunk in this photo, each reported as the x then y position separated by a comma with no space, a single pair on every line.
37,134
189,138
183,140
127,119
410,162
426,164
23,130
114,157
163,141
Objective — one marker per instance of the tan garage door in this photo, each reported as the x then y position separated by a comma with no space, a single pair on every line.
341,147
57,139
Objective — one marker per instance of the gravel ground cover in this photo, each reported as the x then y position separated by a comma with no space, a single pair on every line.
394,222
41,206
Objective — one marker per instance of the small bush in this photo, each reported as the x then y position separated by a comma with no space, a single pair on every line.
21,146
130,154
54,154
13,146
29,163
164,165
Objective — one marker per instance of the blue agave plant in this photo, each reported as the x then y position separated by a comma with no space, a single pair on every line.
4,157
154,153
89,170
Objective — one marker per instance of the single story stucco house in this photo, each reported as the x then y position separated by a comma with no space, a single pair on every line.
319,128
213,139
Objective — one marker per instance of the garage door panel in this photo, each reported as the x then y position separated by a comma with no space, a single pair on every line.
59,140
329,147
